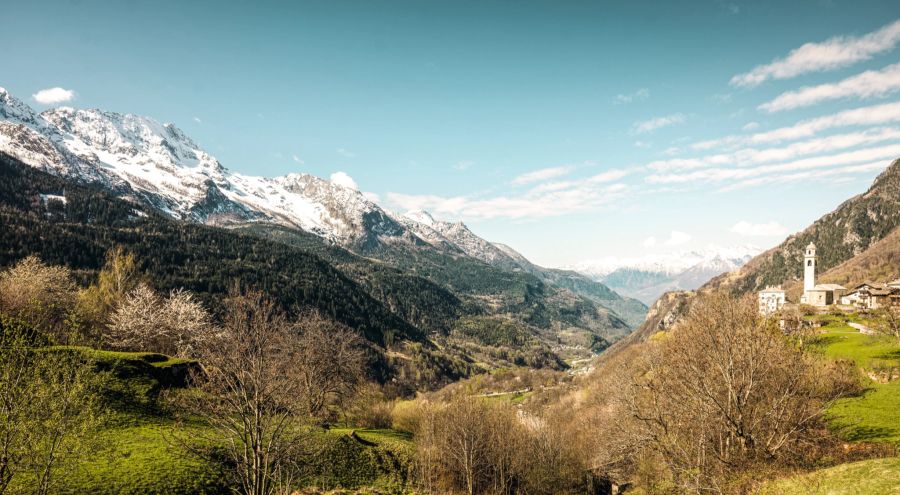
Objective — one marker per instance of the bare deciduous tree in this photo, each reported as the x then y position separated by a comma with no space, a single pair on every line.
726,390
888,323
257,389
330,362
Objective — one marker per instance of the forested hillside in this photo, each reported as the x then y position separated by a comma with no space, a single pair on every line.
79,231
853,227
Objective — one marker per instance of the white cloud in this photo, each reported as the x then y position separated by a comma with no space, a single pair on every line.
833,53
677,238
750,126
197,120
754,156
608,176
372,197
52,96
542,174
887,152
769,229
539,202
297,159
657,123
642,144
835,176
346,153
342,179
464,165
639,95
871,115
649,242
869,84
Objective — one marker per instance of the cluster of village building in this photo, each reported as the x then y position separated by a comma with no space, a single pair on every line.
865,296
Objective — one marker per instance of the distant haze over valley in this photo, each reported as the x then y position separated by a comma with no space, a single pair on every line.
648,277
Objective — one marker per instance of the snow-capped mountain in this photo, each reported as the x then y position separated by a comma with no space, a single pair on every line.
457,235
158,165
146,161
649,277
669,263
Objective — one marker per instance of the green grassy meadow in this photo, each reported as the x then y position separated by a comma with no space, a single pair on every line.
870,477
141,450
871,417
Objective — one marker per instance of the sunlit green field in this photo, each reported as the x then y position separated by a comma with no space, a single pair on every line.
871,477
139,450
872,416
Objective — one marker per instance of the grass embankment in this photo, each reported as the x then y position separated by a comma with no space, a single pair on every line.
138,451
871,477
872,417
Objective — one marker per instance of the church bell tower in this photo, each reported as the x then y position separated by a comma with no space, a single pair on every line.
809,268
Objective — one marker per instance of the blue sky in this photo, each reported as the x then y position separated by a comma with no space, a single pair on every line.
569,130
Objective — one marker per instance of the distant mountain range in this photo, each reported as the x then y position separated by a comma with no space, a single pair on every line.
159,167
647,278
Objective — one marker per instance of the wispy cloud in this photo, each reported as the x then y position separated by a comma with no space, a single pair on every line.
538,202
464,164
542,175
653,124
639,95
346,153
869,84
768,229
344,179
198,120
677,238
53,96
865,116
756,156
833,53
835,176
297,159
649,242
719,174
750,126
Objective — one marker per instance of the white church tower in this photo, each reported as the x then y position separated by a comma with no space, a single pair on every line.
809,268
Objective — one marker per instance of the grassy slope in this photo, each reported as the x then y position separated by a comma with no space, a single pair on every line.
136,451
870,417
871,477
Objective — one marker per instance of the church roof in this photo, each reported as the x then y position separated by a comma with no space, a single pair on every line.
830,287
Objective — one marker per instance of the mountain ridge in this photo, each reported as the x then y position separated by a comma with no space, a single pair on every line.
157,165
847,231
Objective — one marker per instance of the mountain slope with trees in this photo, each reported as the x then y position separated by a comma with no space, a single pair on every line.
846,232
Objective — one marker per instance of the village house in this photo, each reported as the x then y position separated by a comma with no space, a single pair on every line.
771,300
873,295
868,295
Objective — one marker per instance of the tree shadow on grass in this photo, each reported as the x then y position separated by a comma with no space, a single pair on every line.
864,433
